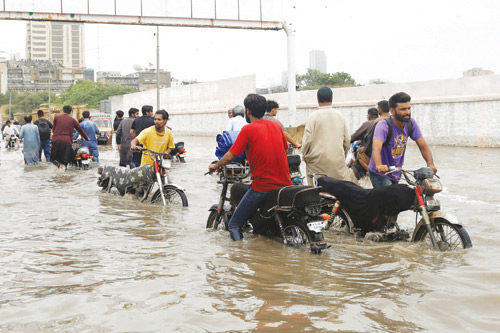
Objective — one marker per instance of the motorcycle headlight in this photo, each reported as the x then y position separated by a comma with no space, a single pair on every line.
166,164
312,210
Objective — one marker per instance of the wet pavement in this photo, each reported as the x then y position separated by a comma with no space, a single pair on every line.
75,258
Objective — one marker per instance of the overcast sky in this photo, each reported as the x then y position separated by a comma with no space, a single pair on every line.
393,40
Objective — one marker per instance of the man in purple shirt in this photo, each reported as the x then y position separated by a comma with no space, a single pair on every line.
393,153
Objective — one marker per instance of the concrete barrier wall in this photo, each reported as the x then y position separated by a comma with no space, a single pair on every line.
459,112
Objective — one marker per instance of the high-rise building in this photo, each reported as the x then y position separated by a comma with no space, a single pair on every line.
62,42
317,60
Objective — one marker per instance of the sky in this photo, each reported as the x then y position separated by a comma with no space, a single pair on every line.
391,40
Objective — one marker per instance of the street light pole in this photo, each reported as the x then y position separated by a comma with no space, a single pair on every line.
157,67
50,83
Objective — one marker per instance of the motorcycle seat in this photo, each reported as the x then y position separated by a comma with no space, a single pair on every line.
287,197
369,208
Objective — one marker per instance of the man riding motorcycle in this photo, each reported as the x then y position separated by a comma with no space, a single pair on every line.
265,146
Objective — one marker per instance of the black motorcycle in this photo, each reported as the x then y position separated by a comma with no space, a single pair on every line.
81,155
179,152
291,213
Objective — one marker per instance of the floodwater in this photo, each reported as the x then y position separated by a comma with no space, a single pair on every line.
74,258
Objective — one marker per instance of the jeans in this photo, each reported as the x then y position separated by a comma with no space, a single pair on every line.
93,150
45,146
246,208
380,181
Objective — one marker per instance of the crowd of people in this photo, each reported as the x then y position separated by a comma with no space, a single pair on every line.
324,146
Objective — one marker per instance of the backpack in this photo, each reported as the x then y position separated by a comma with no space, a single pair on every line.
43,130
369,136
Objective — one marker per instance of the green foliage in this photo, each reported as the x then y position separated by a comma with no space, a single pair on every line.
314,79
91,93
377,81
25,102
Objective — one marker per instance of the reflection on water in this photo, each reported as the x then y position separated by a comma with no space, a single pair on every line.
75,258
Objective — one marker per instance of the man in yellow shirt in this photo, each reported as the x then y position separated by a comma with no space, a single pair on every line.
158,138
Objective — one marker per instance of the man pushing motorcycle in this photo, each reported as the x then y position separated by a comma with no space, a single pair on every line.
157,138
265,146
390,139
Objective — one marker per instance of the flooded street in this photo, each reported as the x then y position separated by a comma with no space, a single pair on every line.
75,258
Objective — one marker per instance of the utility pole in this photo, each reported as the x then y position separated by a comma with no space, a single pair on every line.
10,102
50,84
157,67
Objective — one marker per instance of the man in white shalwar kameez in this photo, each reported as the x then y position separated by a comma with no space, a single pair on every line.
326,140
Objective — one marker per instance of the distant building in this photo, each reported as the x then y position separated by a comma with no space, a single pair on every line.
39,75
88,74
61,42
477,71
317,60
140,81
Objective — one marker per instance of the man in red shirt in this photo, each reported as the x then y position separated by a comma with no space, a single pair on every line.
265,146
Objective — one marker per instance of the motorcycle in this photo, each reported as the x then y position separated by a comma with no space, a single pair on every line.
141,181
371,213
12,141
82,155
179,152
290,213
294,167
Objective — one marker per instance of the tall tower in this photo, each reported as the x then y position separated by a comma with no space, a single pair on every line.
62,42
317,60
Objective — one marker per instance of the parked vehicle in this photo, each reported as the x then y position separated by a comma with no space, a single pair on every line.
82,155
290,213
371,213
294,167
143,181
105,125
179,152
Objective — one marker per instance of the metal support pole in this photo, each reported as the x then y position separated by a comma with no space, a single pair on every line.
292,100
50,83
10,102
157,67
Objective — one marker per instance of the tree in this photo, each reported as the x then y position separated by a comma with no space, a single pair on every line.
314,79
91,93
377,81
25,102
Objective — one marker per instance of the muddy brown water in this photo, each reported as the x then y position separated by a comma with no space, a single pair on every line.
75,258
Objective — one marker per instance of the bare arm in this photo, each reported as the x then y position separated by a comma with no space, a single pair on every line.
426,153
377,158
132,133
226,159
291,140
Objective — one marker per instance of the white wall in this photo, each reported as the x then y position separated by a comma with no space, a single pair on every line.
462,112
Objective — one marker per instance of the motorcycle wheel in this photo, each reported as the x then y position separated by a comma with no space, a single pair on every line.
449,236
213,223
296,236
173,196
85,167
339,222
182,160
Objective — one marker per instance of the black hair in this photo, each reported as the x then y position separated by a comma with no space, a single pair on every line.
86,114
40,113
8,121
119,113
373,113
28,119
163,113
256,104
67,109
132,111
325,95
146,109
383,105
272,105
400,97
